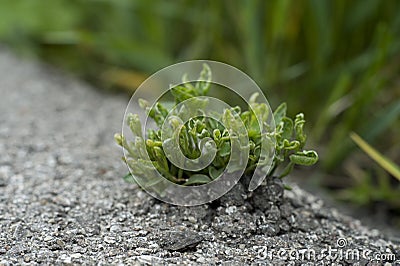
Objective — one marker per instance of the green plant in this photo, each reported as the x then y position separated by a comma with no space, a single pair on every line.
117,43
287,137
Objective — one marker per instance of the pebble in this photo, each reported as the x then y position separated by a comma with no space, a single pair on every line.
66,259
143,233
192,219
147,259
4,263
3,182
201,260
154,246
109,240
143,250
179,241
115,228
231,209
76,255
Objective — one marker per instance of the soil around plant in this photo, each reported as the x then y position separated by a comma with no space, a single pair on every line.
63,201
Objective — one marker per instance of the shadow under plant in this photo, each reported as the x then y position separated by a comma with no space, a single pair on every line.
240,230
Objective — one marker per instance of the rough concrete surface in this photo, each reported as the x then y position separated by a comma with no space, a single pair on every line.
62,199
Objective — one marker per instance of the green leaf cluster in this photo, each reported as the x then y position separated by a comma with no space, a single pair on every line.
290,141
285,142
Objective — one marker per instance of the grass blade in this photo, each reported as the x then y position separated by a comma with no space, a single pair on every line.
379,158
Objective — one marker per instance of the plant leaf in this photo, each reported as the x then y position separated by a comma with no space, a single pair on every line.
304,158
379,158
203,85
134,124
182,93
298,127
214,172
287,129
287,170
292,145
225,149
129,178
198,179
280,113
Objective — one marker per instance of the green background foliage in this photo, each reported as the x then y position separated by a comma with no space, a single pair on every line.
335,61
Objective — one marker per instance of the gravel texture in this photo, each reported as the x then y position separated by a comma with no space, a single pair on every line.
62,200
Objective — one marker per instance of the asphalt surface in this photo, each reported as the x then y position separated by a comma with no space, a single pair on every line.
63,201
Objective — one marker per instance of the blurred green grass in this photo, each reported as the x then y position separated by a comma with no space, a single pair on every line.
336,61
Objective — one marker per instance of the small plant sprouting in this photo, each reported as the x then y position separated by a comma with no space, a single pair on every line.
288,135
